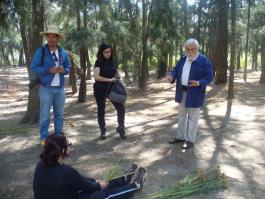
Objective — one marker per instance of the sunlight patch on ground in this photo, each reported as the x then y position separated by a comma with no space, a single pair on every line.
150,156
10,144
233,172
244,112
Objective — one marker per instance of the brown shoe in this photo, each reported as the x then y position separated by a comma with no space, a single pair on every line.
175,141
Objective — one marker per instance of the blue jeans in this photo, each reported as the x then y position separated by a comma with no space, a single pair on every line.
51,97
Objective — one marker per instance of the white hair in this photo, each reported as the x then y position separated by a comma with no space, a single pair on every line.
192,41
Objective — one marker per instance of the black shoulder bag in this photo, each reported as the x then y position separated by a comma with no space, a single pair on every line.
117,92
36,79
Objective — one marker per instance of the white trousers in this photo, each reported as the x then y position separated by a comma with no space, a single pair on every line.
188,121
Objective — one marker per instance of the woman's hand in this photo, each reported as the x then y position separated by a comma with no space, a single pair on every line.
113,79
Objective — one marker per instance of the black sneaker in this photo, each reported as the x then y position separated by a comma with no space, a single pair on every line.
187,145
140,178
175,141
121,132
103,135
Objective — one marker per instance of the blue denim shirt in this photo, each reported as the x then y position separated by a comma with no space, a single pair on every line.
42,70
201,70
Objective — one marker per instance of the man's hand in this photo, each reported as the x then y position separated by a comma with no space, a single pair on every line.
103,184
168,78
53,70
61,69
194,83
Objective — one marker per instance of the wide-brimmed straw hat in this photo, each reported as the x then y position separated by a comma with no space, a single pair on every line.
52,29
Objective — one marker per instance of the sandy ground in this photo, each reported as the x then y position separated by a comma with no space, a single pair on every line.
230,135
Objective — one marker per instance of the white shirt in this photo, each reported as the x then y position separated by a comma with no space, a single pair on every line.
56,79
186,70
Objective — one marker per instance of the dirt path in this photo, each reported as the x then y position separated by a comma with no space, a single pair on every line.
230,135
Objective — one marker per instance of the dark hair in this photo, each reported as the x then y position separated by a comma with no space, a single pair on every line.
55,146
103,47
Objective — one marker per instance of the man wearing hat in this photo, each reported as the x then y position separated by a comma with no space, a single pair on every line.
50,63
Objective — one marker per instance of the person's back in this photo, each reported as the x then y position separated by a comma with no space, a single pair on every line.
55,180
51,182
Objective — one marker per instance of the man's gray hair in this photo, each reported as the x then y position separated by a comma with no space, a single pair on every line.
192,41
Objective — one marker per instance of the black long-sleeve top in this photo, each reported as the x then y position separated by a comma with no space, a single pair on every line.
60,182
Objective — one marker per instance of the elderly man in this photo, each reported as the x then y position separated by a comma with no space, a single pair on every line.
50,63
192,73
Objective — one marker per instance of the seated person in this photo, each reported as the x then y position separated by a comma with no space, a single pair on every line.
55,180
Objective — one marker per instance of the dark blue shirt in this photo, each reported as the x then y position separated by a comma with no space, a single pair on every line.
60,181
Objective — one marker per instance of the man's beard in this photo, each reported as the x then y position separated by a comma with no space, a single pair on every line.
190,57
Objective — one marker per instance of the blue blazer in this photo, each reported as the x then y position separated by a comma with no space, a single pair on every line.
42,69
201,70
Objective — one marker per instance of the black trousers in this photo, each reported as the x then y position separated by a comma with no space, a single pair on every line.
100,92
118,188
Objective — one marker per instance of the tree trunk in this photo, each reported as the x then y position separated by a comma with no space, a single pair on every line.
85,18
82,87
82,54
199,13
88,74
262,76
255,57
220,57
185,18
21,57
25,42
72,74
3,53
212,32
144,66
238,64
32,114
170,61
246,48
233,50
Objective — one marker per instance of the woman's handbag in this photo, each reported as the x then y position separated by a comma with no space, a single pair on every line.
117,92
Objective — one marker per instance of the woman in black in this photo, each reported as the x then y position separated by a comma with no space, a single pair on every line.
104,73
55,180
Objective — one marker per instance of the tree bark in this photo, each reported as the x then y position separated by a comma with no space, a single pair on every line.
247,40
238,64
199,13
21,57
25,42
233,50
72,74
262,76
32,114
82,54
85,19
185,18
220,57
142,76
